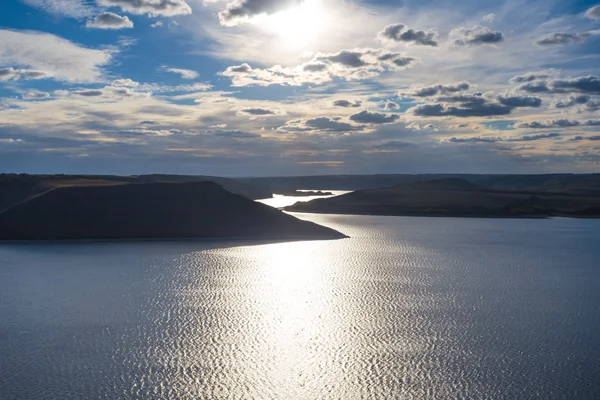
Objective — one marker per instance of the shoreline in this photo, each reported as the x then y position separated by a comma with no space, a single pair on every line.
186,239
462,216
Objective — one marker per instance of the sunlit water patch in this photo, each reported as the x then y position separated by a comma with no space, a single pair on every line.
281,201
407,308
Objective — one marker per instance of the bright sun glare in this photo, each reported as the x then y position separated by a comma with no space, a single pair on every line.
301,26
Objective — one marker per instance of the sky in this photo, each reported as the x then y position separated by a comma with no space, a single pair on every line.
299,87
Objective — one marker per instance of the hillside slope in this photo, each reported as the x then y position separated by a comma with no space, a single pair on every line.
153,210
15,189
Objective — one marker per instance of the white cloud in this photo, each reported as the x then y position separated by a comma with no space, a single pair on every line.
194,87
10,141
167,8
593,13
284,37
65,8
489,18
184,73
52,55
157,24
108,20
125,83
352,64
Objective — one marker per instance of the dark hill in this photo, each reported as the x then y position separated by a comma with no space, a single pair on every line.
579,184
454,197
17,188
153,210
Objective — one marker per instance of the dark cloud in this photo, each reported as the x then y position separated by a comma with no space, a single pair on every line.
520,101
433,90
347,58
330,124
584,84
474,139
403,61
593,13
167,8
591,106
557,123
400,33
528,77
473,105
356,58
258,111
109,20
89,93
565,38
534,87
390,105
486,139
531,138
368,117
239,11
36,95
570,102
120,91
468,110
392,145
347,103
237,134
240,69
7,74
478,35
318,67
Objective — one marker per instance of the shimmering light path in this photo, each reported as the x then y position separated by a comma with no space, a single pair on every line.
408,308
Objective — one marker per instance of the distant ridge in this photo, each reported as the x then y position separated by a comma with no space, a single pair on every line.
579,184
455,197
151,211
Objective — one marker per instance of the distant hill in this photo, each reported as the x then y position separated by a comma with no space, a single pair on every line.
151,210
16,188
581,184
455,197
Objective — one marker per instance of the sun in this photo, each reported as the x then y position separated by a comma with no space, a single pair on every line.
300,27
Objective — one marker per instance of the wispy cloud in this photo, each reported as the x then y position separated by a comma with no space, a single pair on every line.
53,56
184,73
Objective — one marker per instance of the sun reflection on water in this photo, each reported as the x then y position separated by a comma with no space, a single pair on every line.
296,310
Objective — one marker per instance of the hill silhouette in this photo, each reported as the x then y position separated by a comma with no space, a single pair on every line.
454,197
17,188
151,211
577,184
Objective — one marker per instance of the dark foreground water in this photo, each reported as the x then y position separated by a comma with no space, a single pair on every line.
408,308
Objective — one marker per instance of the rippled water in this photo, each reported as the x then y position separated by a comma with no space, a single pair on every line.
408,308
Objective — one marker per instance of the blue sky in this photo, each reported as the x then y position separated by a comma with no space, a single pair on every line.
265,87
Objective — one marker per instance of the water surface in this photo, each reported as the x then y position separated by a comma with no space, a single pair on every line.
408,308
281,200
